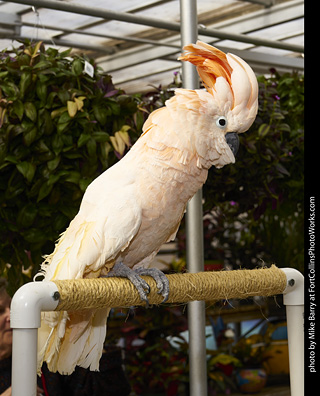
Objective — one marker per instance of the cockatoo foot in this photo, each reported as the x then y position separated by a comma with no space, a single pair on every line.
160,279
121,270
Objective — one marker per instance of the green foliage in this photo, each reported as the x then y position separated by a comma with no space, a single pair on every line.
55,127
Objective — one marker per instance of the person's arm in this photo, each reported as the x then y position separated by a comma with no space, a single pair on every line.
7,392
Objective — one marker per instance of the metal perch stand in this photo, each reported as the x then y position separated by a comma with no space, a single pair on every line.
35,297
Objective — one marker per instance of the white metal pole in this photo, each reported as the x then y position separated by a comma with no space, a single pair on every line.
25,319
293,298
194,226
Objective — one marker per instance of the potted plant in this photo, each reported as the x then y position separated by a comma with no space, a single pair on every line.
221,369
251,377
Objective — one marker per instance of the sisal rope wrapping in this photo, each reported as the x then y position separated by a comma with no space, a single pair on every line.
79,294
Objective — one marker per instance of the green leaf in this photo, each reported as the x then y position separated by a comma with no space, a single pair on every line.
65,53
25,81
91,147
73,177
12,159
41,147
65,117
44,191
41,89
100,137
83,139
83,184
43,64
64,96
52,165
10,89
62,127
263,130
45,123
50,100
115,107
68,211
57,144
100,113
27,215
27,170
18,108
30,111
77,67
34,235
53,179
60,222
29,136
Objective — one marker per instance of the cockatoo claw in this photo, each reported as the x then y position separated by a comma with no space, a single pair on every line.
121,270
160,279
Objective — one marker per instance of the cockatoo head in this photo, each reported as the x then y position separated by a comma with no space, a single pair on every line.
231,100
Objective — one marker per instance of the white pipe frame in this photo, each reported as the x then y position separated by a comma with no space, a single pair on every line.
33,298
25,319
293,299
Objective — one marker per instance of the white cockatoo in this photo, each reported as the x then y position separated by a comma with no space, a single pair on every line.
135,206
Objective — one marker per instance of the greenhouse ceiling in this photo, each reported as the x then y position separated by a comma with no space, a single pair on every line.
138,41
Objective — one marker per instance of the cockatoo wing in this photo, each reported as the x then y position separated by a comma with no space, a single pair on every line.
108,220
106,223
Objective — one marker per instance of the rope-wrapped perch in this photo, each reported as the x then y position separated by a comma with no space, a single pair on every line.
78,294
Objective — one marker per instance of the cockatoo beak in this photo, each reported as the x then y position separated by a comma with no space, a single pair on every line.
232,139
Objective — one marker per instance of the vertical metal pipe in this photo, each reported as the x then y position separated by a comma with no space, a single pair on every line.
189,34
194,226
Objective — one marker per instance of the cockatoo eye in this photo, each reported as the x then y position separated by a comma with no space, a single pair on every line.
221,122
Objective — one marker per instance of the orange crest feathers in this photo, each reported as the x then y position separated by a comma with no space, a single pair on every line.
227,78
211,63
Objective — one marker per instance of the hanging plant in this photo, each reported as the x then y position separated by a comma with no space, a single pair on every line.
58,116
